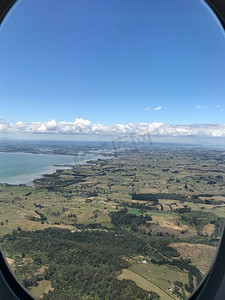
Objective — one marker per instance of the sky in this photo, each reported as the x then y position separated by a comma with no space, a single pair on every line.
109,67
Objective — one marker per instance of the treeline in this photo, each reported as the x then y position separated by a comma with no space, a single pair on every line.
42,217
179,197
123,218
140,206
146,197
89,226
182,210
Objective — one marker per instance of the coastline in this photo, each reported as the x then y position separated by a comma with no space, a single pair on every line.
28,179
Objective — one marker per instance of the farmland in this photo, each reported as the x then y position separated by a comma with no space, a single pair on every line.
147,206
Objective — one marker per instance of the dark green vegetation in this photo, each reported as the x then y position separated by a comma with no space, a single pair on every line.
77,230
122,218
199,219
81,265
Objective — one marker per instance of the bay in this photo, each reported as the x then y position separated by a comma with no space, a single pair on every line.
22,168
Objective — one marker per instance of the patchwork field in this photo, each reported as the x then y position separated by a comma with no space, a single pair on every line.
172,199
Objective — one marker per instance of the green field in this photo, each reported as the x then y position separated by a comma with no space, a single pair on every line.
162,276
165,214
146,284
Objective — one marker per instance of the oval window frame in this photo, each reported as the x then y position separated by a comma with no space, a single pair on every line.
212,286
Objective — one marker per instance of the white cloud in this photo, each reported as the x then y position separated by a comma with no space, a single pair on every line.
198,106
219,107
85,127
158,108
147,108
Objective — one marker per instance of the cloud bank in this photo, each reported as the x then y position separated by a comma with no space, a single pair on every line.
86,127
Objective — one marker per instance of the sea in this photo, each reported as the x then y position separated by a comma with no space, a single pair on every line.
22,168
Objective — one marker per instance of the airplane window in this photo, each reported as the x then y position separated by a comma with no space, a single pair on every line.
112,153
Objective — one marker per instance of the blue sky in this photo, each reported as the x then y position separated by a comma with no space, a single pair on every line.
112,62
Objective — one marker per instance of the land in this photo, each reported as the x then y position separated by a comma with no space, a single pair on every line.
46,147
142,224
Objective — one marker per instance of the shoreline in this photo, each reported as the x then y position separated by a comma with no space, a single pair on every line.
51,169
50,154
31,181
65,167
